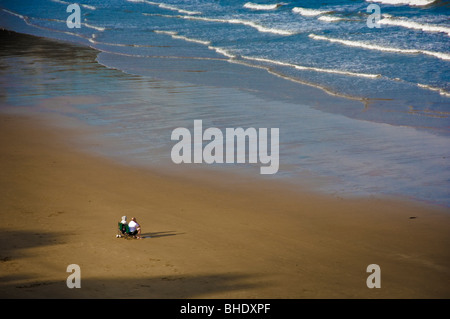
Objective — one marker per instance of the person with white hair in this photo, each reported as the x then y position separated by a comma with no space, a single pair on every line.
122,226
135,228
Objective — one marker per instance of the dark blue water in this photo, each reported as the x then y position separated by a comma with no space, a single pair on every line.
385,128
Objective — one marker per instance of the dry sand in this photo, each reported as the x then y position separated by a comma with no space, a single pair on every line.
60,206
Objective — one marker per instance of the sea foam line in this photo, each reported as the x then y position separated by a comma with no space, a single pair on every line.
413,3
295,80
252,24
308,12
230,55
256,6
218,50
175,35
329,18
83,5
93,27
308,68
232,60
414,25
166,6
26,19
16,14
222,51
358,44
433,88
88,6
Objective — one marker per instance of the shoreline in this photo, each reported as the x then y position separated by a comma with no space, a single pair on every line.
208,241
367,158
210,236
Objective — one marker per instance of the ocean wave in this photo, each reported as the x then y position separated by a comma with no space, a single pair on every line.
230,55
60,1
329,18
93,27
358,44
91,40
27,20
232,59
166,6
83,5
308,12
389,20
252,24
16,14
308,68
222,51
255,6
432,88
175,35
88,6
413,3
218,50
299,81
165,32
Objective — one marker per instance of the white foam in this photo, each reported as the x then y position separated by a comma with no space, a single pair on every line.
218,50
432,88
54,20
191,39
329,18
60,1
88,6
389,20
165,32
413,3
175,35
14,14
231,21
93,27
308,12
307,68
260,28
228,54
222,51
166,6
83,5
358,44
255,6
27,21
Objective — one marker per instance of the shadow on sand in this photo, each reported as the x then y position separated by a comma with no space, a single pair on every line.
161,234
23,283
16,243
158,287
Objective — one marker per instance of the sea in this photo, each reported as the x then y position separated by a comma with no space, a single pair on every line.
359,90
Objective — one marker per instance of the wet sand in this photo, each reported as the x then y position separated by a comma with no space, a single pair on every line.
60,206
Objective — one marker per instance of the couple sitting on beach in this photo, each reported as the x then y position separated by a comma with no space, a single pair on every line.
131,229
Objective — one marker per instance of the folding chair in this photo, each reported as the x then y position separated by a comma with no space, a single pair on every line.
123,231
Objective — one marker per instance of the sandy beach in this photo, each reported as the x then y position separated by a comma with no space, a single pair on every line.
60,206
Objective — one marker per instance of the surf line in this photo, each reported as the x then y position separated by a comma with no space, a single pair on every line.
213,152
